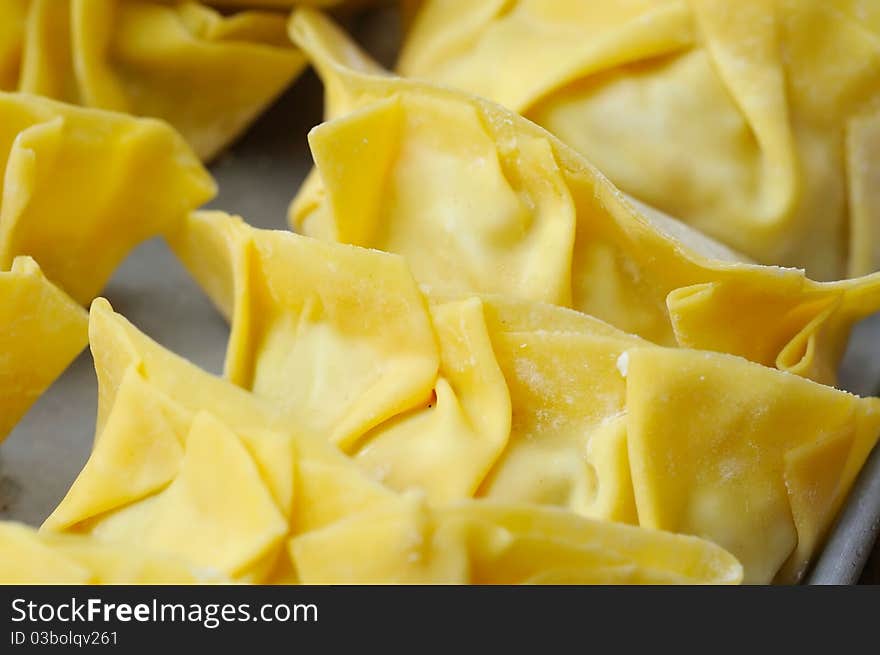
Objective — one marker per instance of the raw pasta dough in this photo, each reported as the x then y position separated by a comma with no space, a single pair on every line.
478,199
187,465
41,331
27,557
206,74
754,120
521,402
80,188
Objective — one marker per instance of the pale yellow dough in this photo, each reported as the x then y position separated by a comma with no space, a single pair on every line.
479,199
754,120
207,74
27,557
187,465
41,331
467,396
80,188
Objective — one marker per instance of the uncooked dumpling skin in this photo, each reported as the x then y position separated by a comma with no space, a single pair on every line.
41,331
13,14
207,74
489,543
479,199
523,402
170,441
80,188
187,465
754,120
284,4
27,557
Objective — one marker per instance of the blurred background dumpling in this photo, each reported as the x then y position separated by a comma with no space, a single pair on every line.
751,120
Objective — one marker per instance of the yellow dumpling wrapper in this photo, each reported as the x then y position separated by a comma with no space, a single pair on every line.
479,199
188,466
283,4
488,543
42,330
13,14
343,342
80,188
755,121
534,403
207,74
28,557
350,325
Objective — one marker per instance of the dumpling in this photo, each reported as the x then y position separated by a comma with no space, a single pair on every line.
478,199
754,121
774,160
207,74
27,557
80,188
186,465
522,402
41,331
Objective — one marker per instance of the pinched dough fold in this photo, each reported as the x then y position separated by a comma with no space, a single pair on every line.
189,466
751,120
478,199
207,74
529,403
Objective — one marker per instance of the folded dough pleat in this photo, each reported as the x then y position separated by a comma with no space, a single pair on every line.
207,74
343,342
352,324
191,468
189,465
81,188
538,404
42,330
489,543
711,436
733,117
28,557
478,199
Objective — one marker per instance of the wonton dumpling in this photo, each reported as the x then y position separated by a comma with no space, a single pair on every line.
754,121
187,465
80,188
479,199
207,74
41,331
27,557
531,403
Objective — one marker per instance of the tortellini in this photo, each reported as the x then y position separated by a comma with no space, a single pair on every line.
27,557
479,199
520,402
207,74
41,331
755,121
188,466
80,188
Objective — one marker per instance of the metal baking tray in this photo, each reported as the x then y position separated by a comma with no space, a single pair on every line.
258,177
